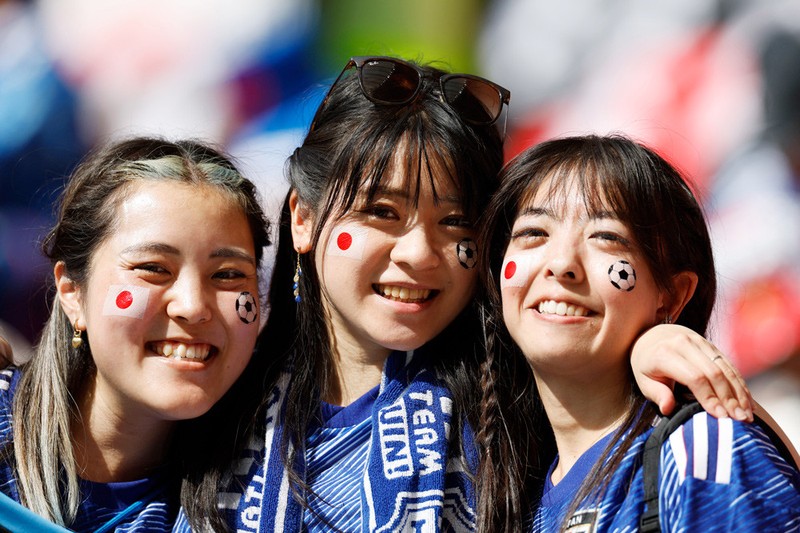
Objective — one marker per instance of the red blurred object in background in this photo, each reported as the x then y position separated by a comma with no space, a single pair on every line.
765,323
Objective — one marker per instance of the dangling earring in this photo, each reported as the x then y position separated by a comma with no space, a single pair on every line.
77,338
668,319
298,273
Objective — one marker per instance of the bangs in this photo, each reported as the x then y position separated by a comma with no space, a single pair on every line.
602,192
414,153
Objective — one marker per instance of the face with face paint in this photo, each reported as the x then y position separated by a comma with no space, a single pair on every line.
169,308
564,286
390,270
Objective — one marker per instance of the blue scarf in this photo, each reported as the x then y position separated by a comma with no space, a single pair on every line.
414,478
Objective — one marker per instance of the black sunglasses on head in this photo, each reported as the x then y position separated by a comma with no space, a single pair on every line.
392,81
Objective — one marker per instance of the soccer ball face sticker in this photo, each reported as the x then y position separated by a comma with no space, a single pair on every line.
467,252
246,308
622,275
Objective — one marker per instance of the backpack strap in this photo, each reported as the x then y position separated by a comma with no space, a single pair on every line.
648,523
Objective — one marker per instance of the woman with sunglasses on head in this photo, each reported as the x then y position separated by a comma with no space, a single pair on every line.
155,254
594,240
371,352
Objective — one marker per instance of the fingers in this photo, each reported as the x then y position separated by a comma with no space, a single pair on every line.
670,352
742,400
662,396
713,380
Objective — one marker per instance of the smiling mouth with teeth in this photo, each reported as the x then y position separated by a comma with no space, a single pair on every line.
404,294
551,307
180,350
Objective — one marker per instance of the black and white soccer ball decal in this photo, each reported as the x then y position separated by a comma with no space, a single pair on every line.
622,275
467,252
246,308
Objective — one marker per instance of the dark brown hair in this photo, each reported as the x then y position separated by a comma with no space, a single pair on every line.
647,194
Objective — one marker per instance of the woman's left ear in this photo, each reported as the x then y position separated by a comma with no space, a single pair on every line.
683,287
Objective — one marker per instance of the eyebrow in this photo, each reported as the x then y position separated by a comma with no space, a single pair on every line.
544,211
233,254
536,211
405,195
160,247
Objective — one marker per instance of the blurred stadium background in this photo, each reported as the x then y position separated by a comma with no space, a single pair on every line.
714,85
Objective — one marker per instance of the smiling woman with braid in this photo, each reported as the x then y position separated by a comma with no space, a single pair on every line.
595,240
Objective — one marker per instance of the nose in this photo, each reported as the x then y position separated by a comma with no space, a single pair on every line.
416,249
189,300
563,262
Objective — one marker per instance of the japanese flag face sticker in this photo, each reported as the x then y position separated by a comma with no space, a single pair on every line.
126,300
347,241
622,275
515,272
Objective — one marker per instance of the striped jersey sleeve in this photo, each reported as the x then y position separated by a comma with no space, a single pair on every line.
7,483
725,475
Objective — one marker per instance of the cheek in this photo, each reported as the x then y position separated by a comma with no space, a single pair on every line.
622,275
128,301
241,311
348,241
626,288
125,309
244,307
465,281
466,251
515,273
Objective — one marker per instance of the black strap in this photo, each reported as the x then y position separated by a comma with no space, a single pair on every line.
648,523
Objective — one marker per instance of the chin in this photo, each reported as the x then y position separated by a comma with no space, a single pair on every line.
182,409
403,345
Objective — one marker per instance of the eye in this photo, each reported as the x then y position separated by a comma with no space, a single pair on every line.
380,211
458,221
151,268
612,238
229,274
529,233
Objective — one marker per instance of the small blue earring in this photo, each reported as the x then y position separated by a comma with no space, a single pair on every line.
298,273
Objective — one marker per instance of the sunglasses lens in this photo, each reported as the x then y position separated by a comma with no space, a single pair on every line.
475,100
389,82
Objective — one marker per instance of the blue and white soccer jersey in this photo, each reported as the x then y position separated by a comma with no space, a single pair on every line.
102,503
715,475
336,458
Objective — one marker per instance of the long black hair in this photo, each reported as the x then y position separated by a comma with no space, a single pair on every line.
352,147
646,193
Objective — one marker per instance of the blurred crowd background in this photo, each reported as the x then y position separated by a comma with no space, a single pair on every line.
714,85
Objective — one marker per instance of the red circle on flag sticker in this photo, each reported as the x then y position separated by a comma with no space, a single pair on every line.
511,269
124,299
344,240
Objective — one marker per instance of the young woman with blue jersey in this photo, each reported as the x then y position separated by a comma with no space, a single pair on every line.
593,241
155,255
